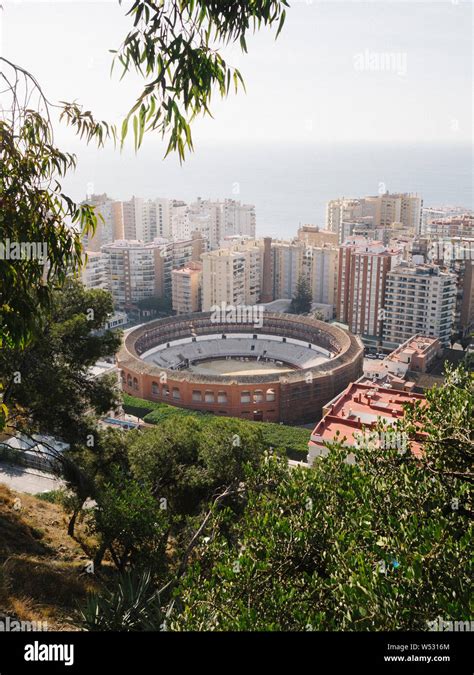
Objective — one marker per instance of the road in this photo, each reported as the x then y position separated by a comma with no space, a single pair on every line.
31,481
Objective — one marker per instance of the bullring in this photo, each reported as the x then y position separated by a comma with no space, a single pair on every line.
283,370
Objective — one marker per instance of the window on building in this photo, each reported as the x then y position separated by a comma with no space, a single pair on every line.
155,389
209,397
197,396
245,397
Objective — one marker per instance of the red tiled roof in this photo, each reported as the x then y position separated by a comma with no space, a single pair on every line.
361,406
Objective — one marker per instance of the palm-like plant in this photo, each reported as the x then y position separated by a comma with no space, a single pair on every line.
133,604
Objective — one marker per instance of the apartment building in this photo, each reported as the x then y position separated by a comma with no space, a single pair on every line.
362,273
314,236
146,219
186,288
284,262
109,222
324,274
138,270
266,293
351,418
133,271
419,299
201,216
456,255
129,220
176,255
232,276
164,209
290,261
463,270
340,212
454,226
416,354
431,214
464,314
404,208
95,273
238,219
215,220
374,212
411,210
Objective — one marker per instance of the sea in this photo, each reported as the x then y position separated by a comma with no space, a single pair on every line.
289,183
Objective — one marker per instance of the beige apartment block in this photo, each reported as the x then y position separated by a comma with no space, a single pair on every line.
231,276
324,274
379,211
109,222
186,288
314,236
291,261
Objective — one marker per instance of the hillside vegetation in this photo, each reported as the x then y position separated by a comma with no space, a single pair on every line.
294,440
42,575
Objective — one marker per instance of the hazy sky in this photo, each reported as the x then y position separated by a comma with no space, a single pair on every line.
321,80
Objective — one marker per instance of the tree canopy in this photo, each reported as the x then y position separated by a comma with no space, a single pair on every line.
48,385
303,298
384,543
40,226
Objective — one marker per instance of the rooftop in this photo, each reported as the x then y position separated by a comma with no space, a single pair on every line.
418,344
362,405
425,269
189,268
362,244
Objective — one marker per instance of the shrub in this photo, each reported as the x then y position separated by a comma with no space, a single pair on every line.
137,406
294,440
51,496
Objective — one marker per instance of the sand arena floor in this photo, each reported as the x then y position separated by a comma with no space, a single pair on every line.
237,367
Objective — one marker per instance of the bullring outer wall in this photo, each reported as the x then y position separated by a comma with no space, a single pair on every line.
296,397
